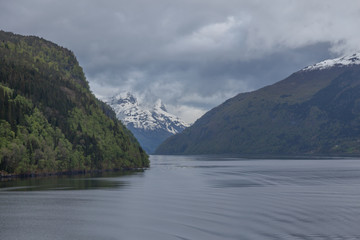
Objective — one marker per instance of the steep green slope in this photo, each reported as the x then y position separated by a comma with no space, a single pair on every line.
50,121
310,112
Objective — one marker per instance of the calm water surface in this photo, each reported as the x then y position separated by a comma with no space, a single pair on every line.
191,198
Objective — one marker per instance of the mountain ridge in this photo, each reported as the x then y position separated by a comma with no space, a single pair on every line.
312,111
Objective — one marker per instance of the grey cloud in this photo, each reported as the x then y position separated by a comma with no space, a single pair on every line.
192,54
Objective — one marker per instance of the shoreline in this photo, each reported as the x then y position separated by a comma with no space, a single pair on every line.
7,176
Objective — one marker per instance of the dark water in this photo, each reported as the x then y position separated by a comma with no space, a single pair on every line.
191,198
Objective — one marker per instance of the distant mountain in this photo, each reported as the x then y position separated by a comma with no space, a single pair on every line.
314,111
49,120
151,125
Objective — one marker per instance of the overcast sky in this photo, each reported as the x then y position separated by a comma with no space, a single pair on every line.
193,54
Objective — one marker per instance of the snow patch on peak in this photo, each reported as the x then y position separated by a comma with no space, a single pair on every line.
159,105
353,59
122,98
144,116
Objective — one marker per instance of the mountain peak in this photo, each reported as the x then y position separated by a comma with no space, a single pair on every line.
159,105
150,123
122,98
348,60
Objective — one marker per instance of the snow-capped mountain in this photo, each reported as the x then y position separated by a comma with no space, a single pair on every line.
353,59
151,125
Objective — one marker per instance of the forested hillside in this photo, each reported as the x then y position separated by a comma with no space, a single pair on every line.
49,119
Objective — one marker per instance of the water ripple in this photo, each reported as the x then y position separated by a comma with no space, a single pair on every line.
194,198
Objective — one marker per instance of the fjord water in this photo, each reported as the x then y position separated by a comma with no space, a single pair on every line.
191,197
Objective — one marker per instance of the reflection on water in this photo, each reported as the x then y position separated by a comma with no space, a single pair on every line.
103,180
202,197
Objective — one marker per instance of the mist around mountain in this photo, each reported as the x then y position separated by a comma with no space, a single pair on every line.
49,120
150,123
314,111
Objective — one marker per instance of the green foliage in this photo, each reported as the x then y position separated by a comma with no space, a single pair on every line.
49,119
